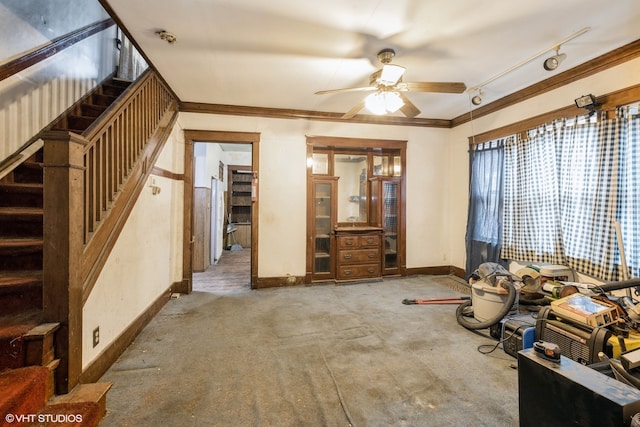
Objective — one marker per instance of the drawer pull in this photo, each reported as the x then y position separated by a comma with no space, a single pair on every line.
347,272
371,255
369,240
348,256
348,242
371,270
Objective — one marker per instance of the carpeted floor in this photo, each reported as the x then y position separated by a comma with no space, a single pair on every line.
313,356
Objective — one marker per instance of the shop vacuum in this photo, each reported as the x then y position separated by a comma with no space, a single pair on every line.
494,295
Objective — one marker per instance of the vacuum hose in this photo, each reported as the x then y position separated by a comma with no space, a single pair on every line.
462,318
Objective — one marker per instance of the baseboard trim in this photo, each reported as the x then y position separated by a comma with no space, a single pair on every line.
278,282
441,270
109,355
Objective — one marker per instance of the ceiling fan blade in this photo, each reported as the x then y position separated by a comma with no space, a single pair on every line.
352,112
444,87
408,109
349,89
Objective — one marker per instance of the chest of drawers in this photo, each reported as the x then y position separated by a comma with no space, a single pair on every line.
359,253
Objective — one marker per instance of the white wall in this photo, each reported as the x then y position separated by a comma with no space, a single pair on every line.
146,259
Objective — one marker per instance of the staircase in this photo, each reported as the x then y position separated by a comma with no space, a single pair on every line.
26,343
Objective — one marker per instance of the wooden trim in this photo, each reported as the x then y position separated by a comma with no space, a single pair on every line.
609,102
284,113
191,136
55,46
110,354
221,136
360,143
187,218
611,59
167,174
441,270
278,282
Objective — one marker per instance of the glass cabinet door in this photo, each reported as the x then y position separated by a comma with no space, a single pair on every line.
389,217
323,216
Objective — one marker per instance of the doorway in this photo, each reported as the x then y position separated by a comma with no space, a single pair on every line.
228,209
208,156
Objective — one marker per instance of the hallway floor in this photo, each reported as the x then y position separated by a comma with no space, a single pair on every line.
231,273
326,355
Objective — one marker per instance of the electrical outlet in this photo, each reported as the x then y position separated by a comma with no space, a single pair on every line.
96,336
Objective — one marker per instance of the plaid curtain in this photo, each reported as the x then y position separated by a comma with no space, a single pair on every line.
589,172
531,203
629,188
484,218
566,184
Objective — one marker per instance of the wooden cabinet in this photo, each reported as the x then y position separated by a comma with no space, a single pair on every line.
355,209
385,213
322,238
239,204
358,253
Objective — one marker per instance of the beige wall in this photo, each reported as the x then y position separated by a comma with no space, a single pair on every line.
145,261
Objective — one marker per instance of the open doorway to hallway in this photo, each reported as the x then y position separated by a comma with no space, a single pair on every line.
222,204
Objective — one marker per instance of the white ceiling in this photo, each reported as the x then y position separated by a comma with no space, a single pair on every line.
277,53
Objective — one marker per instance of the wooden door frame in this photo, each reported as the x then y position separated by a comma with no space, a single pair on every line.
212,136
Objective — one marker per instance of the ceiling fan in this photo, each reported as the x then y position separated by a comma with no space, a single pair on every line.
387,87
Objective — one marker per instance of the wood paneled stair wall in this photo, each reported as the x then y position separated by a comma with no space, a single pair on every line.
117,131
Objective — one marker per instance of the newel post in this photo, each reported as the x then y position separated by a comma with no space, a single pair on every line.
63,244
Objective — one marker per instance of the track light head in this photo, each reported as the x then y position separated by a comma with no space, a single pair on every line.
554,61
476,100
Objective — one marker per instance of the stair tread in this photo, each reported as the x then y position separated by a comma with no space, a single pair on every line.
33,187
18,324
19,242
19,210
23,390
43,329
90,392
20,277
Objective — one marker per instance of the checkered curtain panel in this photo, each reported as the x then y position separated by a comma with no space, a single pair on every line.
531,229
629,201
589,171
566,185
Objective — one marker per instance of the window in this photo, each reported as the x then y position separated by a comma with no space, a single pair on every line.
568,185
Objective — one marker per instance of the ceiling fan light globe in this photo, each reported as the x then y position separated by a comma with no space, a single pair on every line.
375,104
392,101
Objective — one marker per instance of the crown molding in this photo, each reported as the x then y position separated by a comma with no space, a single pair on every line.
283,113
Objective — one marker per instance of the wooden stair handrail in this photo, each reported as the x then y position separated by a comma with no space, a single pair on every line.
92,182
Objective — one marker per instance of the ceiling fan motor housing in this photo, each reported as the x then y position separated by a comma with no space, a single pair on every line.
386,55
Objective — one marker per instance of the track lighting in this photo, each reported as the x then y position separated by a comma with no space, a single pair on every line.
552,62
